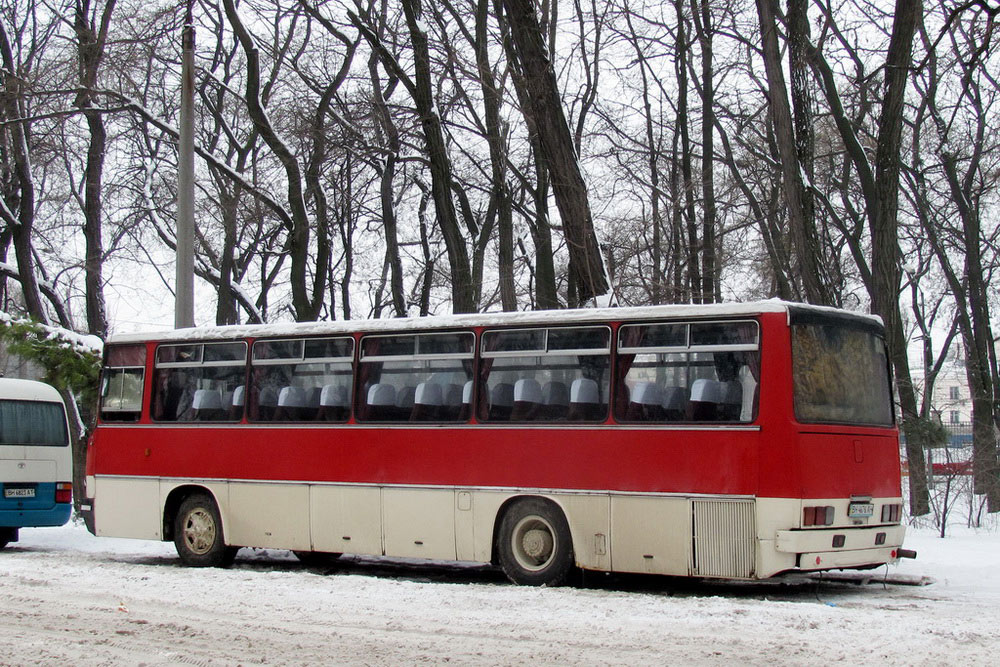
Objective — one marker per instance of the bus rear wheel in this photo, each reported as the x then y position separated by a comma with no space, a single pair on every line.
198,534
535,547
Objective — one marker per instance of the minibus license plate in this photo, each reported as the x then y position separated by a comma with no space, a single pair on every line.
859,510
20,492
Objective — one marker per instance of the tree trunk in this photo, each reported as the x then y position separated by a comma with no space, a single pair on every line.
90,52
692,288
556,141
702,18
800,214
303,303
19,194
462,289
499,193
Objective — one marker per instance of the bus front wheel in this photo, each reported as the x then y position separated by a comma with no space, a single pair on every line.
198,534
535,547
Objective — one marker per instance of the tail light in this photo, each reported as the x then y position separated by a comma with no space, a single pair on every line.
818,516
64,492
891,513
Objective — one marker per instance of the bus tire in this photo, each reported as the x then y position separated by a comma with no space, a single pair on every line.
198,534
536,548
317,558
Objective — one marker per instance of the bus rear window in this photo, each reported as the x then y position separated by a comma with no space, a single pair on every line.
32,423
841,375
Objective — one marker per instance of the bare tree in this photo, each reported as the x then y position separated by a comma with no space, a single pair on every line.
791,147
546,110
962,147
17,205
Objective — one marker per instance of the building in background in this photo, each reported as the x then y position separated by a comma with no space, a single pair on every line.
951,401
14,366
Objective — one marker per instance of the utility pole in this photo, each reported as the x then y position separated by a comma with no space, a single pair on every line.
184,295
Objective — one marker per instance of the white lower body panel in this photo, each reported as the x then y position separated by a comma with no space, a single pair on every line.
706,536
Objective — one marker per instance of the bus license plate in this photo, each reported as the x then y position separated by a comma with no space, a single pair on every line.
19,493
860,510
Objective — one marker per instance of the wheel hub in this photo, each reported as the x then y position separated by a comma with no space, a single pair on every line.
537,545
199,532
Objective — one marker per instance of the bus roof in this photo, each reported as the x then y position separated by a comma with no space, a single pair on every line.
27,390
525,318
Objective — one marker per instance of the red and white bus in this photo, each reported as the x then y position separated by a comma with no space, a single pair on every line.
738,441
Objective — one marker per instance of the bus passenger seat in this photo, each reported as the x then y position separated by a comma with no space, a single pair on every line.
465,412
555,398
237,402
312,403
584,400
674,402
207,405
706,395
404,402
732,401
334,403
527,400
291,400
646,404
266,404
426,402
451,402
381,402
501,401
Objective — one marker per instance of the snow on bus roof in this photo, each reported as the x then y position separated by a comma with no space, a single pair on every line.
526,318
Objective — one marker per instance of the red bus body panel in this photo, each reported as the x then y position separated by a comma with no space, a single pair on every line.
650,460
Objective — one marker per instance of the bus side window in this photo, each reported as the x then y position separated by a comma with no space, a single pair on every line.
195,382
415,378
694,372
173,395
301,380
546,375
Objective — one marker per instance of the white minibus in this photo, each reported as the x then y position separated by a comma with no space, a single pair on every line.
35,458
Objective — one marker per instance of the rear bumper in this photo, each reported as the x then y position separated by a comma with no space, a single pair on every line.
835,548
23,518
87,512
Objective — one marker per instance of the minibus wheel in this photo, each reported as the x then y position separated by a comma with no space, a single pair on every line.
7,535
535,547
198,533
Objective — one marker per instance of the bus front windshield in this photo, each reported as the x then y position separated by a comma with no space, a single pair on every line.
841,375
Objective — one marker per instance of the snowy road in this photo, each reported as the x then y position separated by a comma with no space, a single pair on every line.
67,597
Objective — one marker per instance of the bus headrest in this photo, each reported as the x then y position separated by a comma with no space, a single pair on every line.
647,393
207,399
584,390
427,393
381,394
334,396
527,390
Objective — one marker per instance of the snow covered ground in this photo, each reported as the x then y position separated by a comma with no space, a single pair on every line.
68,597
